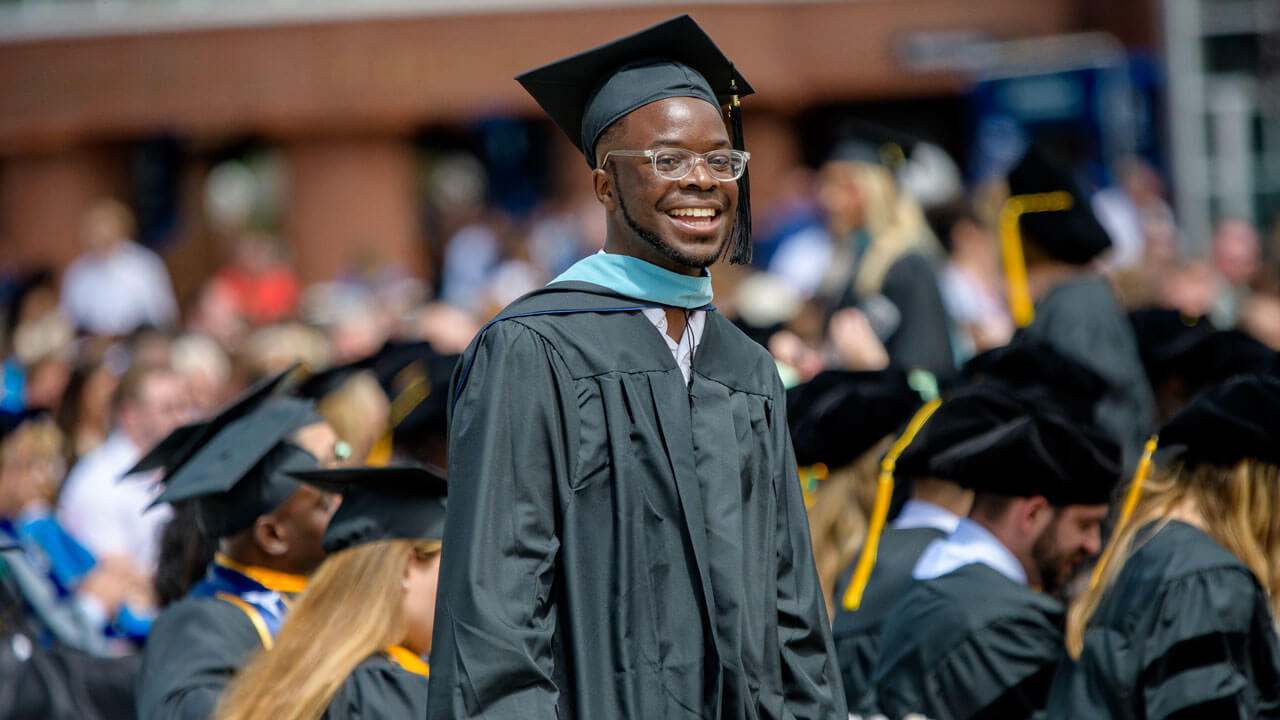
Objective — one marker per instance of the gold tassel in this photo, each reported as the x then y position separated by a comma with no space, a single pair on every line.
1130,503
880,511
1015,265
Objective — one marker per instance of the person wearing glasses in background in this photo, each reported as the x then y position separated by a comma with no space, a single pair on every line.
631,540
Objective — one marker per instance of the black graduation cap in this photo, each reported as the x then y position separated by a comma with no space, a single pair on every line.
382,503
1231,421
178,446
1039,374
968,412
586,93
1071,235
1036,454
236,464
1164,337
415,378
832,418
322,383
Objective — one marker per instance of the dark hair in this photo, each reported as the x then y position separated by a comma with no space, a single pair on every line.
185,552
943,219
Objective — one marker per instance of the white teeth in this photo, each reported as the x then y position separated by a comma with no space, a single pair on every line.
692,212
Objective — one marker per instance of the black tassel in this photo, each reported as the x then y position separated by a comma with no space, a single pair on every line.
741,234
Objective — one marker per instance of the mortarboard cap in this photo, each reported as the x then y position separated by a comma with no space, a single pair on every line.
1039,374
236,464
1073,234
178,446
1036,454
586,93
1231,421
382,503
829,415
968,412
1164,337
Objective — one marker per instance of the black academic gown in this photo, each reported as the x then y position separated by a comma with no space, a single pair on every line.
856,633
1082,320
379,688
1185,632
194,648
618,544
969,644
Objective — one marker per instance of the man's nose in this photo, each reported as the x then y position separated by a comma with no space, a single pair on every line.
700,175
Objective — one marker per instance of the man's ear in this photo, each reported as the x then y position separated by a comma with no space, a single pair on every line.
270,535
1036,515
605,188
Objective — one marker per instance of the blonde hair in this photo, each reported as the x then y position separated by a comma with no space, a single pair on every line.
838,518
359,411
352,608
1240,508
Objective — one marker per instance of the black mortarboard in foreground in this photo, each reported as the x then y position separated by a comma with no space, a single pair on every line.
1039,374
1072,235
968,412
238,468
1036,454
384,503
178,446
838,415
586,93
1231,421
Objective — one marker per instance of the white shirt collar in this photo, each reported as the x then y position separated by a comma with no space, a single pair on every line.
689,340
970,543
924,514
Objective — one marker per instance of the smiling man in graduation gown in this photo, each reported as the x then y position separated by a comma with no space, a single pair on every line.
626,534
269,527
979,633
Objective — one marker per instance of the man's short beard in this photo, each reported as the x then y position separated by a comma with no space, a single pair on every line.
654,241
1050,560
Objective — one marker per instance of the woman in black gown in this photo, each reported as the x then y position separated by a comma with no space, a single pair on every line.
1180,621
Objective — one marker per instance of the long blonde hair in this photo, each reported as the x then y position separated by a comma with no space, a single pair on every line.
1240,507
838,518
352,608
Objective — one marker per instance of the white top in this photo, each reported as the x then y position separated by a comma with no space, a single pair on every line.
924,514
689,339
109,515
116,294
970,543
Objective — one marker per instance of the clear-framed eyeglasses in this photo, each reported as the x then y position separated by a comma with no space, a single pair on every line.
677,163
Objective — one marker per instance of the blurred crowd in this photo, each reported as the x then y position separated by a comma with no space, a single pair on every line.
882,256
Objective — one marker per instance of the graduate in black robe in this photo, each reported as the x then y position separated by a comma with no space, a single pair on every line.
976,636
1049,238
631,540
1179,624
268,526
354,644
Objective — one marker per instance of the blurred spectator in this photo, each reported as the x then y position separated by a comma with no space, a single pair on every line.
272,350
1132,211
1237,257
38,346
257,282
116,285
106,511
70,598
86,406
882,262
205,369
971,283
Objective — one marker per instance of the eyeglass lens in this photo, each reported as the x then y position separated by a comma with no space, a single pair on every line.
677,163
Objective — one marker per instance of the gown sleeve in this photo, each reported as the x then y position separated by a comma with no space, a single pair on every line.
809,669
1209,653
193,650
492,652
